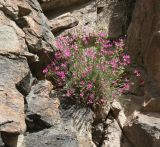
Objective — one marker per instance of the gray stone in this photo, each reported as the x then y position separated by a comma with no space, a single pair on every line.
41,104
51,138
8,39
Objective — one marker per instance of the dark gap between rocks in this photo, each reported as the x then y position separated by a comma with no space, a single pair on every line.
35,124
9,139
55,12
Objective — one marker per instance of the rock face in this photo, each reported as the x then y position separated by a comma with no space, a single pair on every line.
17,36
146,125
39,103
107,15
13,69
144,43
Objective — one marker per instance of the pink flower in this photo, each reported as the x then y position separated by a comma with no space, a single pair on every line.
64,65
89,86
126,59
90,99
81,94
45,71
102,34
57,55
126,87
67,53
69,93
137,72
90,53
114,63
82,82
61,74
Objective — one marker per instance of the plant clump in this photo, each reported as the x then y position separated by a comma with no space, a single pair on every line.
90,68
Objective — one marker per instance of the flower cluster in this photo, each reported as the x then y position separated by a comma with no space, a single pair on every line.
90,67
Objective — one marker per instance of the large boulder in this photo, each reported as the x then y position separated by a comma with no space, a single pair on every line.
12,71
143,130
39,103
144,44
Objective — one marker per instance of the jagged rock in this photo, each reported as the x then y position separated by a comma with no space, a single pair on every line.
62,22
79,120
58,4
38,35
12,71
97,15
11,36
44,111
41,104
143,130
116,108
51,138
113,136
98,132
15,8
111,17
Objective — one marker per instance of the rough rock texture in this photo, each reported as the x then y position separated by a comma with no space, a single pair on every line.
62,22
51,138
144,44
39,103
57,4
144,130
15,76
13,69
109,15
113,135
50,124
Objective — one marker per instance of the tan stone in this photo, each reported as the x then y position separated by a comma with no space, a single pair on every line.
144,43
143,130
65,21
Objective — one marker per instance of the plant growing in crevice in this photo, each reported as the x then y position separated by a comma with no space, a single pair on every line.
90,68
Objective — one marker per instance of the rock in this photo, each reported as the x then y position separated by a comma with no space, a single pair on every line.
59,4
98,132
80,120
11,36
39,37
96,15
144,43
110,17
114,136
7,34
143,130
15,8
151,105
51,138
39,103
12,70
62,22
116,108
1,141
